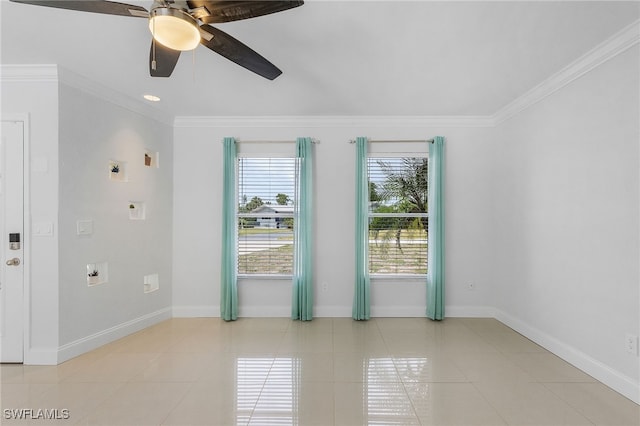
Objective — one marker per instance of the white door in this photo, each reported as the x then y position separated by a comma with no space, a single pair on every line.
11,228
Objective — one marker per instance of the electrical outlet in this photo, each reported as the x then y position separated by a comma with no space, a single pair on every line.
631,344
471,286
325,287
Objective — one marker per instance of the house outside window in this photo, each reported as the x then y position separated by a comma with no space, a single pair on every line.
266,191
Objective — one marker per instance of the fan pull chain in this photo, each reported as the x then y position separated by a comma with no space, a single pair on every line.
153,60
193,64
153,46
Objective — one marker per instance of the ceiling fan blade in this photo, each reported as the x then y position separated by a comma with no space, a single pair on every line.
165,60
234,50
227,11
95,6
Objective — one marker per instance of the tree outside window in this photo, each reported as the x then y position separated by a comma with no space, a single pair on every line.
398,215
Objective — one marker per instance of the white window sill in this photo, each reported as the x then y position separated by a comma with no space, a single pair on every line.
398,277
247,277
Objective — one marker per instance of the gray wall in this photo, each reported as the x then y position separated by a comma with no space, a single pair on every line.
92,132
197,250
566,219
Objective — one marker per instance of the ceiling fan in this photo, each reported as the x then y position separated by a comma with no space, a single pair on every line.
180,25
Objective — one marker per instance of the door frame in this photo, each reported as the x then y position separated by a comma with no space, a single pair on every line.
26,229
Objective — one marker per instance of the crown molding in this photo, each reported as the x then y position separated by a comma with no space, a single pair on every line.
615,45
333,121
610,48
94,88
21,73
29,73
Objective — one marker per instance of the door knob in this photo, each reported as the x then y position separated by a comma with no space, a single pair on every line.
13,262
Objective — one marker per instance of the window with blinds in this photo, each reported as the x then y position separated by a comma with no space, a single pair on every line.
398,215
266,196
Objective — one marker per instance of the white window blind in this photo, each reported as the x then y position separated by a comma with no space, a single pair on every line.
398,215
266,191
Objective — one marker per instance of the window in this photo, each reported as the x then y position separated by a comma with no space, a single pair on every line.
397,214
266,191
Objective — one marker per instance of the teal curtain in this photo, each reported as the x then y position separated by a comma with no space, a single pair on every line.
435,256
228,275
302,298
361,304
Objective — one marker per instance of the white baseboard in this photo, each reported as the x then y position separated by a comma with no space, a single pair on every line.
36,356
398,311
614,379
332,311
206,311
86,344
469,312
259,312
264,311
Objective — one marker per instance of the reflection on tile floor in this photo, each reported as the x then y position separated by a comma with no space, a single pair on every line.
387,371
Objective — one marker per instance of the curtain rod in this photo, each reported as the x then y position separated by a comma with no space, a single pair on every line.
396,140
314,141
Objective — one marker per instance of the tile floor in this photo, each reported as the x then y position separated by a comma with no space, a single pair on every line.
387,371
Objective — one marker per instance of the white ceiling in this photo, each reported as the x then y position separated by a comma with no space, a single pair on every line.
414,58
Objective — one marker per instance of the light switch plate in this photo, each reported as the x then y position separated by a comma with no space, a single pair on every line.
85,227
42,229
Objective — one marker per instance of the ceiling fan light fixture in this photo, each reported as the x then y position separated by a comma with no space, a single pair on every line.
174,28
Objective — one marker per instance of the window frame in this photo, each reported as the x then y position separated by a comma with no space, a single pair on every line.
281,151
396,150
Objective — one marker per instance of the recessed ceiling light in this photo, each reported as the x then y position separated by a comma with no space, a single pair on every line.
151,98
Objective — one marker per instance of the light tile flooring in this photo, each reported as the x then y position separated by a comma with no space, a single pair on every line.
387,371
